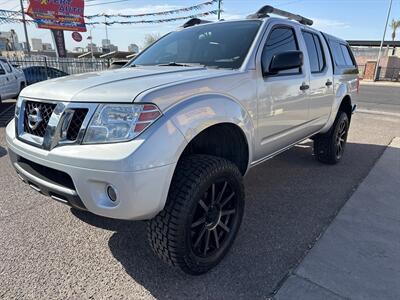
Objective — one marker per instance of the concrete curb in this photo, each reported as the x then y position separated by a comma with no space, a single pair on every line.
377,112
358,257
380,83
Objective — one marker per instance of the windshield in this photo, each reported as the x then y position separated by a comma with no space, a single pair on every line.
221,45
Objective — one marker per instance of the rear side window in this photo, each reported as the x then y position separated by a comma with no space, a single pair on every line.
341,54
1,67
346,55
315,52
281,39
7,67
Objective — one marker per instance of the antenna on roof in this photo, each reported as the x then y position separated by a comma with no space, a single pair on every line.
265,10
195,21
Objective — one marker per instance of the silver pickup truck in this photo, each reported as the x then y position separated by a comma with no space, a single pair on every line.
169,137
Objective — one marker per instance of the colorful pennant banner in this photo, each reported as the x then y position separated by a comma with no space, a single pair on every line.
9,13
4,19
162,13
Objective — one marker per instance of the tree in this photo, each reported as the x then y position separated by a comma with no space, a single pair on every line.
150,38
394,25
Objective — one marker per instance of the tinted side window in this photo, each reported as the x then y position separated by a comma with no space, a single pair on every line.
312,52
337,53
1,67
280,39
321,54
346,55
7,67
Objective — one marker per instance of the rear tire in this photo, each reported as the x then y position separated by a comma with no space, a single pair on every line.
329,147
202,215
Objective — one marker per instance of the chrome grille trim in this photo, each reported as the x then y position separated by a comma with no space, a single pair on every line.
55,134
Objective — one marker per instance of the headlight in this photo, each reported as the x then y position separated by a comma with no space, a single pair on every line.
120,122
18,106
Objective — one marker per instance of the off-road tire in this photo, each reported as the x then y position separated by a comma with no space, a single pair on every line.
170,233
329,147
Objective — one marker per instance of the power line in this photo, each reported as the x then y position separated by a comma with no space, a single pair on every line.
104,3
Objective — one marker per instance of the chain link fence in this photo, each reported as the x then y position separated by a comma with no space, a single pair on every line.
39,68
67,65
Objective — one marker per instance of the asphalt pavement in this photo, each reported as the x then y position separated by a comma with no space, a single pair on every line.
49,251
380,98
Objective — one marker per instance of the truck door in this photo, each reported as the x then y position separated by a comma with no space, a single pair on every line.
4,86
282,97
321,76
12,79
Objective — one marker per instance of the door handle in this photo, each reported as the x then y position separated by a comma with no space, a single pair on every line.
304,87
328,83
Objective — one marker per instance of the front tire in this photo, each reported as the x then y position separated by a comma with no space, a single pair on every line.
329,147
202,215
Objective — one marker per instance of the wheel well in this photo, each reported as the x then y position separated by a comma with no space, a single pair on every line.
346,107
223,140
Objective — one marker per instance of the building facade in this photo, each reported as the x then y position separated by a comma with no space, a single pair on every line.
9,41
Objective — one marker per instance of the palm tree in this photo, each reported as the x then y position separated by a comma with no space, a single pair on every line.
394,25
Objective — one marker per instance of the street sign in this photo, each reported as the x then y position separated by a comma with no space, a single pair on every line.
76,36
58,14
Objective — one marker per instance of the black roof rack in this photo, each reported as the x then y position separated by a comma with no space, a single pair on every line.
265,10
195,21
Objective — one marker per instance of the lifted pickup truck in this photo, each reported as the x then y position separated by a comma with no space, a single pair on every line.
169,137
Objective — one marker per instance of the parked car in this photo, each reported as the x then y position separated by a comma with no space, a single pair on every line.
35,74
12,80
170,138
117,64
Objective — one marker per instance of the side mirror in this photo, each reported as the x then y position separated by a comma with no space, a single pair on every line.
2,72
285,61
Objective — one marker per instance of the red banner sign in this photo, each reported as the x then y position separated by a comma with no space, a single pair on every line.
58,14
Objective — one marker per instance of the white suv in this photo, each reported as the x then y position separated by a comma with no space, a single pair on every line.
169,137
12,80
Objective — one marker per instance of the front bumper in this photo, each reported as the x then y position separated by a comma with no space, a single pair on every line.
141,183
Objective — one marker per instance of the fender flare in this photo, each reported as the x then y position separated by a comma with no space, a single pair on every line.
200,112
342,91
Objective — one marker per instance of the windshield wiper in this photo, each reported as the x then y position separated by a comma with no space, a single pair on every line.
175,64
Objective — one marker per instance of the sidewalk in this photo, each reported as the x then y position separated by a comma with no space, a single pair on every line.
358,257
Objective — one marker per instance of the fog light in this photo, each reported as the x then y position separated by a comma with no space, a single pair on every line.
112,193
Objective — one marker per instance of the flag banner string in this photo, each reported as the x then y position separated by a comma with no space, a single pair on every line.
9,13
161,13
4,19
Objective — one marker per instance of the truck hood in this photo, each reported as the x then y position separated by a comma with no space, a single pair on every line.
121,85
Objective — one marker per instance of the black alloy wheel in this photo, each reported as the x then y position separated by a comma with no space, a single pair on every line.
202,216
329,147
214,218
341,138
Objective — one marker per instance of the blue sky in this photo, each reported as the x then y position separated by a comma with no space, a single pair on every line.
348,19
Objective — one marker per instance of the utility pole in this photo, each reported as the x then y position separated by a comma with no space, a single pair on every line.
105,24
28,48
219,9
376,75
91,43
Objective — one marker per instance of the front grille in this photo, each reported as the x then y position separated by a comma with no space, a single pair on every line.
76,123
46,109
